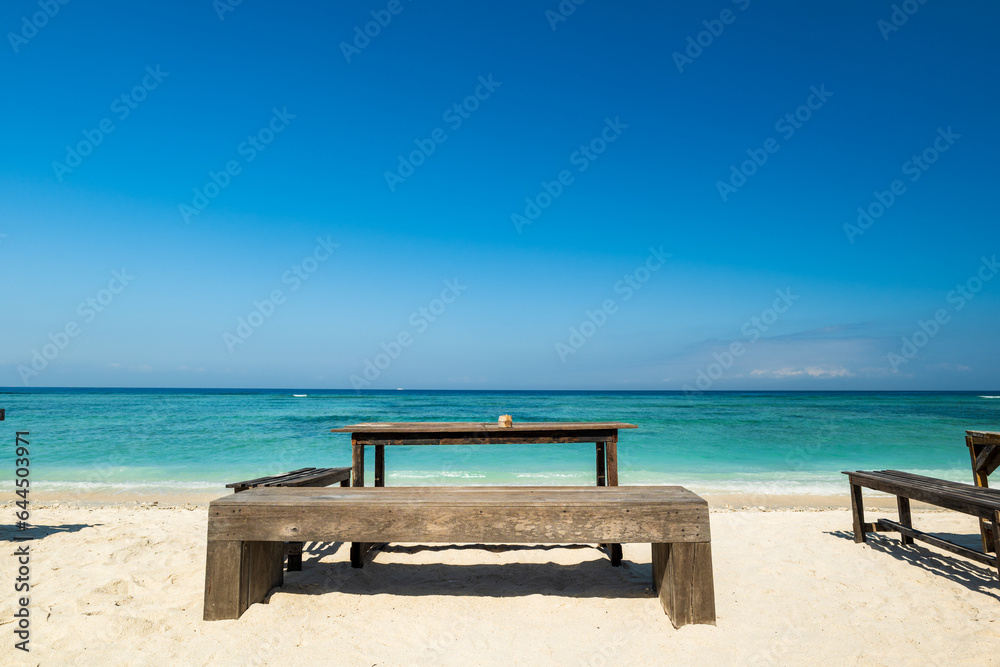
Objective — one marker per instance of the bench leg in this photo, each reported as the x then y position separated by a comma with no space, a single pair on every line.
682,577
294,551
858,512
903,504
238,574
996,538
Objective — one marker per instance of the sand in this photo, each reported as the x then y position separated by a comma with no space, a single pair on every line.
118,583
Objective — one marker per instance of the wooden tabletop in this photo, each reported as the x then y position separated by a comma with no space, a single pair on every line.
466,427
992,436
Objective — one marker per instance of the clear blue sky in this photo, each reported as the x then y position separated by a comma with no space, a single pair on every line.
643,126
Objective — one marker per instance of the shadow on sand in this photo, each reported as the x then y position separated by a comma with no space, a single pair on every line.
13,533
971,575
592,578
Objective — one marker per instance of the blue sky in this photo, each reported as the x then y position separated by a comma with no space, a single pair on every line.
629,196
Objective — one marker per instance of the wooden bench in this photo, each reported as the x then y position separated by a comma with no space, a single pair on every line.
977,501
302,477
246,531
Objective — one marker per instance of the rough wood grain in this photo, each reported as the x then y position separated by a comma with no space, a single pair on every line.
903,506
683,579
238,574
977,442
941,496
300,477
246,530
858,512
448,515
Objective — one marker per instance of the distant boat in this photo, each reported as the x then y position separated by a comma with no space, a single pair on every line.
399,389
300,395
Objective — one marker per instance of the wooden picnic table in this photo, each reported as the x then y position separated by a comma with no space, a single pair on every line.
380,434
984,450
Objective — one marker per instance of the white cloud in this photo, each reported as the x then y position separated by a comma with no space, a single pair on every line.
811,371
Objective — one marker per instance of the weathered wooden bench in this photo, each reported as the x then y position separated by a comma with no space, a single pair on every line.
966,498
246,531
314,477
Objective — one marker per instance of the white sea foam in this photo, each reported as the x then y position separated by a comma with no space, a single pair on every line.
989,397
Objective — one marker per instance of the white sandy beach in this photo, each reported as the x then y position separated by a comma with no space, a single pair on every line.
118,584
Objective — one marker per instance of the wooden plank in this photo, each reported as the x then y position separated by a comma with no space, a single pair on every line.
378,523
611,449
952,490
222,588
938,542
984,437
988,459
858,512
379,465
996,539
903,506
254,482
264,570
387,516
357,463
684,582
382,427
980,479
981,508
601,475
239,574
976,491
358,549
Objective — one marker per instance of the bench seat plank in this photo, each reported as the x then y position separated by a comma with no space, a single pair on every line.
672,519
436,514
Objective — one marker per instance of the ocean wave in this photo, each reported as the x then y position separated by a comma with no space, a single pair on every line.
989,397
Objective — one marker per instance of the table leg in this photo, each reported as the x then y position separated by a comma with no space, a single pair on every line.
601,476
605,479
379,465
357,464
611,451
358,549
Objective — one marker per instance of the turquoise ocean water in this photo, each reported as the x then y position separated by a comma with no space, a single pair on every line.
122,440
